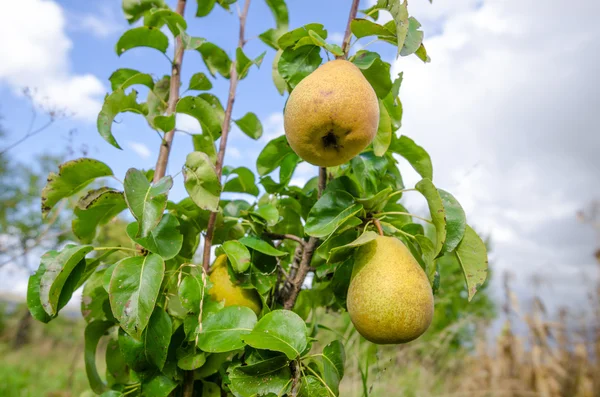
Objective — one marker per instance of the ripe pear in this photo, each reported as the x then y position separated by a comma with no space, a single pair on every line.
331,115
225,290
389,299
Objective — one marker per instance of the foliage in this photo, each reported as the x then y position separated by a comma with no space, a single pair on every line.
153,301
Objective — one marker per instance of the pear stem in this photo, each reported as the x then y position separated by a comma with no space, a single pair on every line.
378,225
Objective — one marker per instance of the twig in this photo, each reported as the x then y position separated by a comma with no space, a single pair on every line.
277,236
233,81
348,34
378,225
165,147
27,136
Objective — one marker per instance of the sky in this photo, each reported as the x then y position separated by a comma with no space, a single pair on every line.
507,109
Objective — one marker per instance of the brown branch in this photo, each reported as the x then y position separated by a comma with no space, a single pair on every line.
378,225
233,81
277,236
165,147
188,385
348,34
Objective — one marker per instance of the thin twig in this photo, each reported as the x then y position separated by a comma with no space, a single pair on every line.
348,34
165,147
277,236
27,136
233,81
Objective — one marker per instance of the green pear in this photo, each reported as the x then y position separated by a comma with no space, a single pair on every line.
332,115
231,294
389,299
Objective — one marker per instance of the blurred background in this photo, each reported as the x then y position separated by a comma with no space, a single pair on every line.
507,109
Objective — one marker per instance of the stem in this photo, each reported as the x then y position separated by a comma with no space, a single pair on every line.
378,225
348,34
165,147
188,385
276,236
233,81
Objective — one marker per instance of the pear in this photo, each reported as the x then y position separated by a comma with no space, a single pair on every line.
225,290
331,115
389,299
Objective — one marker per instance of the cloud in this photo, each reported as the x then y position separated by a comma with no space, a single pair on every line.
38,57
102,23
187,123
141,149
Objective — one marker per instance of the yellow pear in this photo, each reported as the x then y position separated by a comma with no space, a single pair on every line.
331,115
225,290
389,299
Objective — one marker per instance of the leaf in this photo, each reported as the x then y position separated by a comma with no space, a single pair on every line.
58,267
164,123
215,59
400,15
280,12
264,366
238,255
261,246
205,143
93,332
158,17
135,9
341,280
210,389
189,42
224,330
334,358
290,38
436,209
364,59
272,383
133,290
205,7
369,171
422,54
363,28
33,296
280,330
243,183
201,181
250,125
243,63
203,111
125,78
164,240
393,105
295,64
142,36
157,100
331,211
279,82
117,370
133,352
273,155
158,386
93,298
313,387
414,38
472,256
417,156
268,212
339,254
199,82
96,208
377,72
190,292
157,337
72,177
383,139
192,361
456,221
428,251
115,103
112,393
319,41
147,202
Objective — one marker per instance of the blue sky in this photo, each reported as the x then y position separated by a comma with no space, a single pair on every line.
507,110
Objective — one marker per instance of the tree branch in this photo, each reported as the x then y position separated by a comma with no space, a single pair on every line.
348,34
233,81
277,236
165,147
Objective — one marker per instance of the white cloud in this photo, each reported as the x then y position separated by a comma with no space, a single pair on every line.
102,24
141,149
187,123
234,153
37,56
272,127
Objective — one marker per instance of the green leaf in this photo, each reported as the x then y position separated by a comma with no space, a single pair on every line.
164,240
223,331
142,36
199,82
383,139
158,386
157,18
331,211
400,15
279,82
290,38
157,337
33,296
417,156
72,177
217,107
260,363
117,370
193,360
436,209
319,41
393,105
147,202
205,143
376,71
215,59
245,385
238,255
268,212
422,54
133,290
115,103
190,292
339,254
58,267
164,123
472,256
189,42
202,111
295,64
205,7
135,9
96,208
250,125
334,358
280,12
261,246
456,221
133,352
364,28
428,251
414,38
243,183
156,101
210,389
112,393
312,387
243,63
125,78
273,155
280,330
201,181
93,332
94,298
369,170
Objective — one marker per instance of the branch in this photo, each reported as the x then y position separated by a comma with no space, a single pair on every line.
348,34
233,81
165,147
277,236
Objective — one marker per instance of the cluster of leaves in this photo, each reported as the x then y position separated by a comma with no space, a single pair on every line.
153,304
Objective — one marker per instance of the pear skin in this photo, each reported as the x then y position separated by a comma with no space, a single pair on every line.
225,290
332,115
389,299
